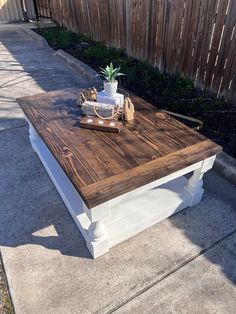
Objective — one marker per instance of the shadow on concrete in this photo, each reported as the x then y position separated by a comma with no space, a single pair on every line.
30,207
25,206
211,222
24,62
31,210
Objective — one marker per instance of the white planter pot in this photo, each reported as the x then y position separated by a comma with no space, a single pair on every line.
110,88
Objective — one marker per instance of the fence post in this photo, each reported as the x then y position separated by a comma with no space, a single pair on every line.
25,16
36,9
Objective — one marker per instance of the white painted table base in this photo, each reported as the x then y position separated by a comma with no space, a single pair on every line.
122,217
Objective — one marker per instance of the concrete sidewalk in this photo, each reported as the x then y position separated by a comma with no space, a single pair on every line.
27,69
184,264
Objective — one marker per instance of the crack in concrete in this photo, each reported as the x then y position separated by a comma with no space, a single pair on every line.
174,270
14,128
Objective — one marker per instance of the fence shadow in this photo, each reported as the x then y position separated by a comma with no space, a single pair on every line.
31,210
211,224
27,69
24,211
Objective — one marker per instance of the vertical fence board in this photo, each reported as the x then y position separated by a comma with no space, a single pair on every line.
174,36
189,31
228,89
208,28
44,8
157,46
214,50
117,23
11,10
225,61
195,38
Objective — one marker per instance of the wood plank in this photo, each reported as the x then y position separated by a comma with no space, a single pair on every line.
154,170
172,42
172,133
215,49
198,40
60,133
226,59
208,30
117,155
95,159
189,35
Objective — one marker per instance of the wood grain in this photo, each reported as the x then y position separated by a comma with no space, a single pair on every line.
104,165
154,170
100,125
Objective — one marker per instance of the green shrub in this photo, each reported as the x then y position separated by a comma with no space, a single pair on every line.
169,91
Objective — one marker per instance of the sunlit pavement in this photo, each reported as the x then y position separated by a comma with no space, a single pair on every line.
185,264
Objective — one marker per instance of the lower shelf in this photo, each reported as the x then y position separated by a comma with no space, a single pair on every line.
128,216
145,210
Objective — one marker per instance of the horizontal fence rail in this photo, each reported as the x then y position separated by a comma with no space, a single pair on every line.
194,38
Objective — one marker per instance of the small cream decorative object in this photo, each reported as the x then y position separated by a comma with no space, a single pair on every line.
110,87
117,99
128,109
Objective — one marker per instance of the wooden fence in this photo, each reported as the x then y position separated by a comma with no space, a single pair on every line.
14,10
195,38
43,8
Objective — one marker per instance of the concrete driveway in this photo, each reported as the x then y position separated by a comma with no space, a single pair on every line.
185,264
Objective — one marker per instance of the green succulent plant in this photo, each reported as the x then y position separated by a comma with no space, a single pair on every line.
109,73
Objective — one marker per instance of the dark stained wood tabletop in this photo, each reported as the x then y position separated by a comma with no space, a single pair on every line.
104,165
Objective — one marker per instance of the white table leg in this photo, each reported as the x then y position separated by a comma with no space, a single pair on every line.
98,240
33,135
97,231
195,183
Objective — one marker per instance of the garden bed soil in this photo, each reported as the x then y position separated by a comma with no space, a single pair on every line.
165,91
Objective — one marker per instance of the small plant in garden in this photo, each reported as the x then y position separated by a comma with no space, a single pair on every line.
110,74
39,24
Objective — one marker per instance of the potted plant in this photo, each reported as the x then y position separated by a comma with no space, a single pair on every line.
110,74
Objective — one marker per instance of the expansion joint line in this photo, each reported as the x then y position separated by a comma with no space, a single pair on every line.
210,247
14,128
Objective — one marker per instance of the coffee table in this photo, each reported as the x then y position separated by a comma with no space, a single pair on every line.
117,185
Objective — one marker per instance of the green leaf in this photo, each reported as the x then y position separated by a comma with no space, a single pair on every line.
119,74
109,73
